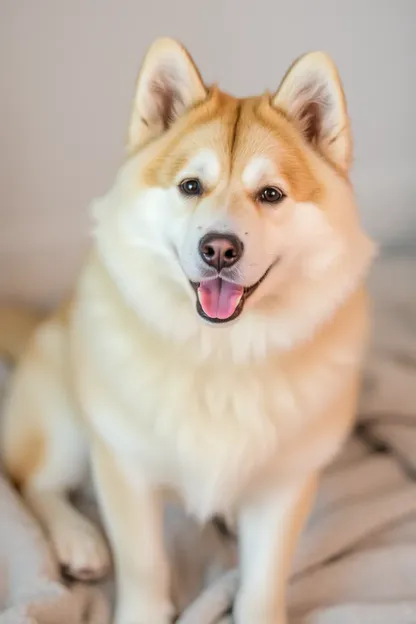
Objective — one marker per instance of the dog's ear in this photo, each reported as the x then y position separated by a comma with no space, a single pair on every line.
311,93
168,85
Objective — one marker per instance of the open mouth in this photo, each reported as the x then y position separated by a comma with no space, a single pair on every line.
220,301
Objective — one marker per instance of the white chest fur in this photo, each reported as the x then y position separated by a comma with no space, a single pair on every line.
208,429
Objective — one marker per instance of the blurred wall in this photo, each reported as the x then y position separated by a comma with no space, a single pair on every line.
67,72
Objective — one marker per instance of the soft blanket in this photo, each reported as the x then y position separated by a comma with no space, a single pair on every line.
356,563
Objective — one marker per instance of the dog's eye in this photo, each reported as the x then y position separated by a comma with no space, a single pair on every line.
271,195
191,186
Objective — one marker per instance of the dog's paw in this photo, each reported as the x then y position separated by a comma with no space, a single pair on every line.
81,550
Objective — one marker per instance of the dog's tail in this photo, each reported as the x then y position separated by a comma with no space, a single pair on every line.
16,327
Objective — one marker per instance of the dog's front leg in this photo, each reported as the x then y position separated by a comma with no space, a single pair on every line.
269,528
134,517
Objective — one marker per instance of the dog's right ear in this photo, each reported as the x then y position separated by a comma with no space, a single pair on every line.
168,85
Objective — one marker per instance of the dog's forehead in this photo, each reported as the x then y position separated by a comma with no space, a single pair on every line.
242,142
233,143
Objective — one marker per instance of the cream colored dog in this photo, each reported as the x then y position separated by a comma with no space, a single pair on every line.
213,344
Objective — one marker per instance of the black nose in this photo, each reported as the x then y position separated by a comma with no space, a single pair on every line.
220,251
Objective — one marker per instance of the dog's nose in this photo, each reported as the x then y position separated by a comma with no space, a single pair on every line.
220,251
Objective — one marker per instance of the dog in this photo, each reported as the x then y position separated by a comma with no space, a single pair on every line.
213,344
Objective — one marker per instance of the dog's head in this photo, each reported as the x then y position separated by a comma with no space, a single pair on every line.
233,212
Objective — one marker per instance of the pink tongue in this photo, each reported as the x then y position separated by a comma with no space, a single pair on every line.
219,299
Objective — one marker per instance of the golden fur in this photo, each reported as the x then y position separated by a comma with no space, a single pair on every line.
236,419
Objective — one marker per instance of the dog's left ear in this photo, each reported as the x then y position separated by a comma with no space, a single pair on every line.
169,84
311,93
